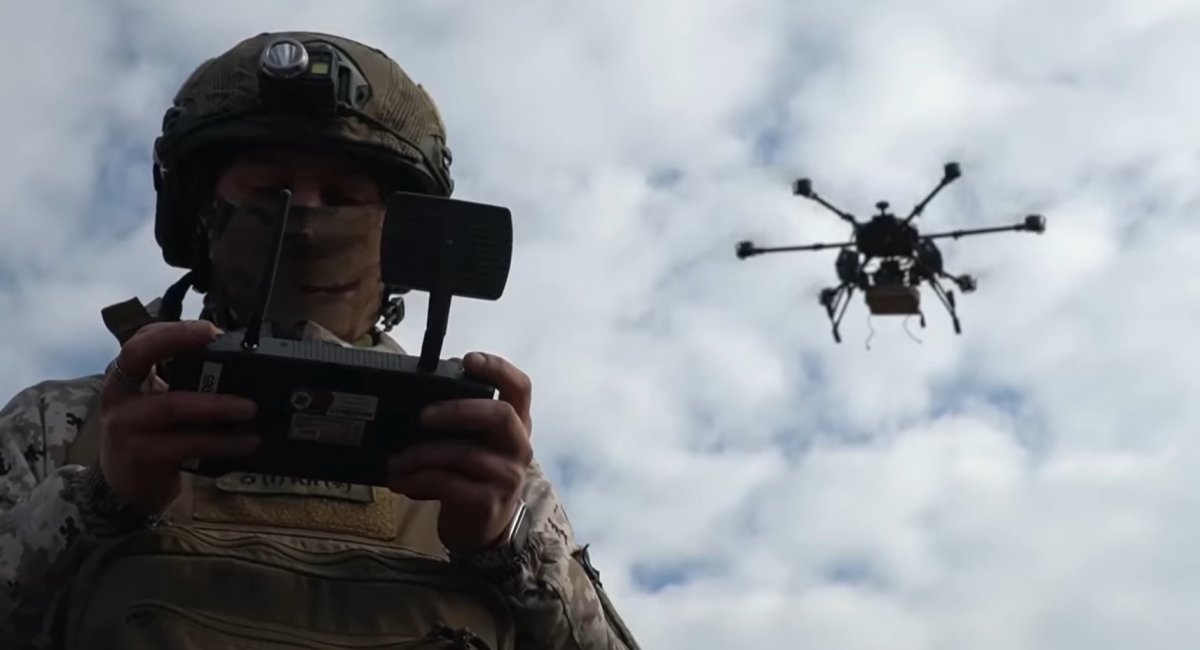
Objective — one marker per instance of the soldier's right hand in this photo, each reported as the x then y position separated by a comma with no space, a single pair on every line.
146,434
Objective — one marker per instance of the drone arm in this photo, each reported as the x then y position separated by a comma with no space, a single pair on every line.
1032,223
949,174
920,207
843,215
749,250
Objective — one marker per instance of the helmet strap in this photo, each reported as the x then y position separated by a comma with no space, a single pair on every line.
172,300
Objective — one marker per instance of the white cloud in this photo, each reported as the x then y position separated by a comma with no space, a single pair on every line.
824,495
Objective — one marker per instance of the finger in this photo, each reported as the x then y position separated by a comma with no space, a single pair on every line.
157,385
159,341
447,487
514,385
170,410
471,462
173,447
154,343
497,421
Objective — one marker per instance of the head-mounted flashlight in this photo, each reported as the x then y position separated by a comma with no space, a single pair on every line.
313,78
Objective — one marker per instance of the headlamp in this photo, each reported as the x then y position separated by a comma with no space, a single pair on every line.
284,59
314,78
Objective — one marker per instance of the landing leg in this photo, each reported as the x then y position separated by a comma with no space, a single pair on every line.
845,303
835,301
947,300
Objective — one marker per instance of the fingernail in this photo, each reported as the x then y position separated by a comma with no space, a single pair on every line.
474,359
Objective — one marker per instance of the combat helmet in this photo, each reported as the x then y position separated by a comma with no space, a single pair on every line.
299,89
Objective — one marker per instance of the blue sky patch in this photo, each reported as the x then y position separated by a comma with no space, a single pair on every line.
657,577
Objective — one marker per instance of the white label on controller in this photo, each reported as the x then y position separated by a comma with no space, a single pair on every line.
349,405
318,401
330,431
210,377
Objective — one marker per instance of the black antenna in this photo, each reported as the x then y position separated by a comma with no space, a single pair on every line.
438,314
265,286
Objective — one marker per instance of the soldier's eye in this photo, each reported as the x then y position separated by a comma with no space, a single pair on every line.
346,196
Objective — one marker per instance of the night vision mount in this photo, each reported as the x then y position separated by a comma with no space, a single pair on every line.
899,256
333,413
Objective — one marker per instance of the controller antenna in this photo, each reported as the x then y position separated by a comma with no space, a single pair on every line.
266,285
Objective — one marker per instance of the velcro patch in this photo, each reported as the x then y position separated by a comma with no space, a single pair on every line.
248,483
250,499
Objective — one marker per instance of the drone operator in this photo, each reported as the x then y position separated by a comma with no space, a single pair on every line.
104,543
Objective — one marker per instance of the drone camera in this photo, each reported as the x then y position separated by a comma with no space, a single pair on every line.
803,187
1035,223
952,171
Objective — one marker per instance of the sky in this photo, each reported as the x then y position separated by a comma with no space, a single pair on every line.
743,480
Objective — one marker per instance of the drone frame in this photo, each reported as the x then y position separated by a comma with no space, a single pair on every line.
926,259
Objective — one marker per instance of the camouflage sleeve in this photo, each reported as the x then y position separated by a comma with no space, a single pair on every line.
557,598
36,523
48,514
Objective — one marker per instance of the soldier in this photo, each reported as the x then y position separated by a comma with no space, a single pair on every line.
105,544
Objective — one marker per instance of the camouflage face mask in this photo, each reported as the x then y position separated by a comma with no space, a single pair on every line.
328,272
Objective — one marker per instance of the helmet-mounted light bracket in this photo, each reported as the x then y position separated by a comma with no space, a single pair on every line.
315,78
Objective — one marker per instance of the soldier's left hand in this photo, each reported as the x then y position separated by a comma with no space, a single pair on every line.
478,486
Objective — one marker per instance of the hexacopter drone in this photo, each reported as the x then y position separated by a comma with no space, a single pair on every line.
903,258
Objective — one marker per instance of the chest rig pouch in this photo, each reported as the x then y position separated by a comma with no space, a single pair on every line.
301,569
256,562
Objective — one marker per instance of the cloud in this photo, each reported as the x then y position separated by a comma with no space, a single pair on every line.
744,480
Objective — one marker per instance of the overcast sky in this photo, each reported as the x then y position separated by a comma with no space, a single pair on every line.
743,480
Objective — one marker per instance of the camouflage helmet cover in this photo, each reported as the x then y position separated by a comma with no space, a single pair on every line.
381,117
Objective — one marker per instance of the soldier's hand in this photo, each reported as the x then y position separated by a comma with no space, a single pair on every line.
145,434
478,486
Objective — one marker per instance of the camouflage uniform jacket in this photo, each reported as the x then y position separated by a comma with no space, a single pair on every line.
48,526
